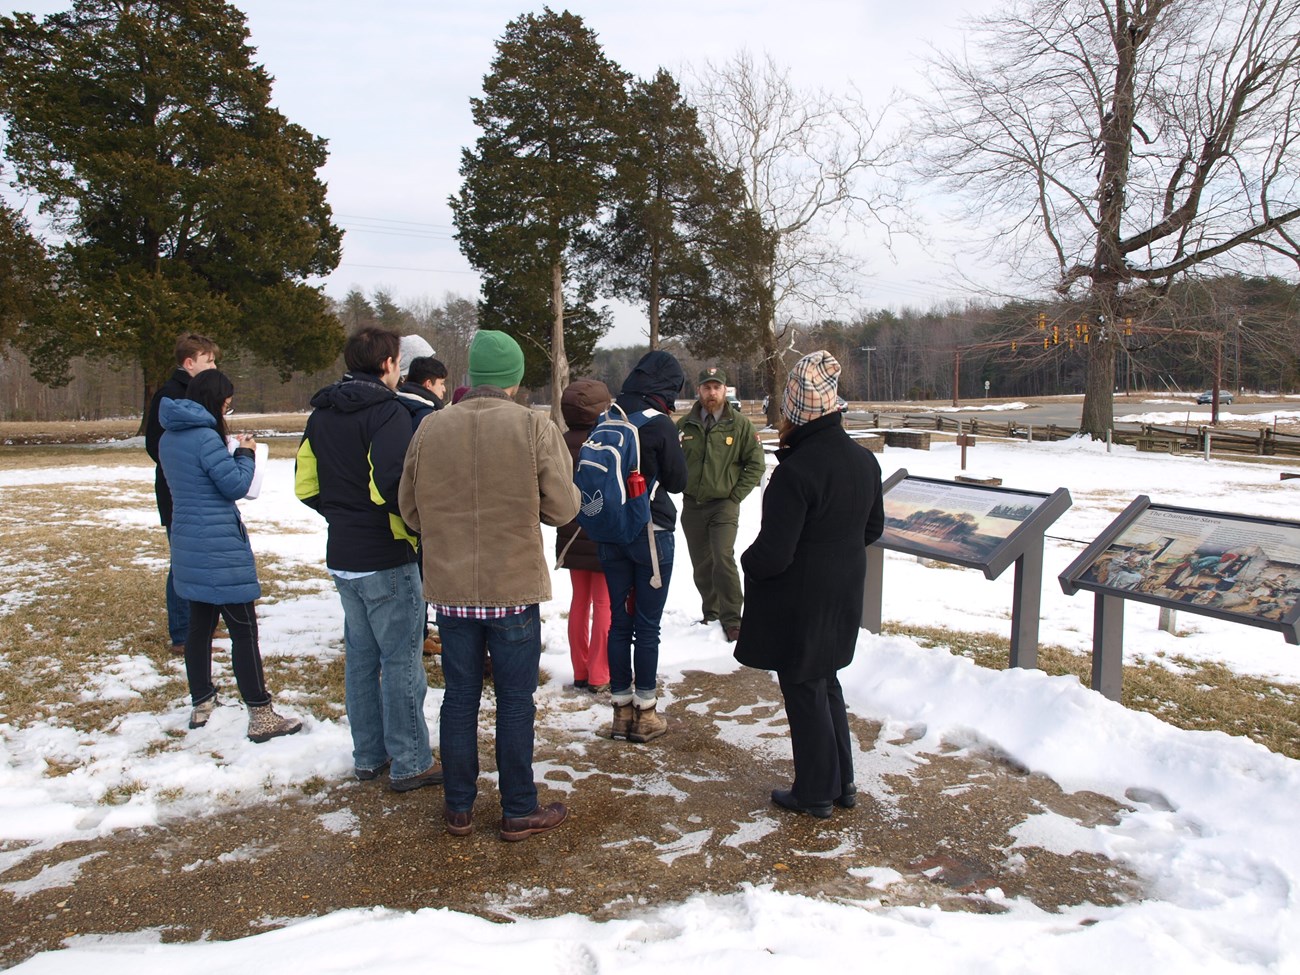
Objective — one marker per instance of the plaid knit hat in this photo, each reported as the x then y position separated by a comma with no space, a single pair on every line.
813,388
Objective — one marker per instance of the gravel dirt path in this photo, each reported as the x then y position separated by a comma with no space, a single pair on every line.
649,824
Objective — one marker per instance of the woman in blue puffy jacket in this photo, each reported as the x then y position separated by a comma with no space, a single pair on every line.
212,562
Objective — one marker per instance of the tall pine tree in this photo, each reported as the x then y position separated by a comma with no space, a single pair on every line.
183,200
550,116
679,240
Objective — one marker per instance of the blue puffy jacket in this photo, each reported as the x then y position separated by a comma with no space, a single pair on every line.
212,561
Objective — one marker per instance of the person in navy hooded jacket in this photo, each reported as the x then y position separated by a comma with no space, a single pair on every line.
212,562
636,595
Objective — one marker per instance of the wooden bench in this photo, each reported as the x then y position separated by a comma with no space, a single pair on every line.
1159,445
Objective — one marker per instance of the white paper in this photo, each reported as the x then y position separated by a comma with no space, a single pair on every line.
260,455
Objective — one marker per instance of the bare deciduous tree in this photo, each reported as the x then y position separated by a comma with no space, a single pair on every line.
1111,146
810,162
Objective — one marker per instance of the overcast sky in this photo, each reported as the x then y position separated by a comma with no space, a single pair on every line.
388,84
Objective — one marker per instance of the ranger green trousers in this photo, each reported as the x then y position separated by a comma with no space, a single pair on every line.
710,529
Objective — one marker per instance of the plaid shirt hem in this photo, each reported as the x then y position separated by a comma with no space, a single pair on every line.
479,612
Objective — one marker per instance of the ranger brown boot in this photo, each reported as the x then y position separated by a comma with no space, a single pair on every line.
622,721
647,724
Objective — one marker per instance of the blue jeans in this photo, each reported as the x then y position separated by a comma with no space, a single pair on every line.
515,643
178,610
383,670
627,572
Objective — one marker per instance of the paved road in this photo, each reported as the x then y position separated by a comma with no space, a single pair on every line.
1068,414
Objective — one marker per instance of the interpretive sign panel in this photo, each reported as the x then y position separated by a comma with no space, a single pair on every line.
1229,566
977,526
965,524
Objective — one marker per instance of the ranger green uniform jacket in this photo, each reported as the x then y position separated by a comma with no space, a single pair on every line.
725,463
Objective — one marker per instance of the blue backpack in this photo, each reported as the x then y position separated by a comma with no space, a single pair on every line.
615,497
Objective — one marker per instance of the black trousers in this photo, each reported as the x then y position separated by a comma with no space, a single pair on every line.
245,657
819,736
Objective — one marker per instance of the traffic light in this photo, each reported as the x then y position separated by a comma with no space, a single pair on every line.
1042,322
1013,346
1045,342
1056,335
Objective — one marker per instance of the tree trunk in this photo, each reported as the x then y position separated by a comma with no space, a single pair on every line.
559,361
654,295
1099,386
149,390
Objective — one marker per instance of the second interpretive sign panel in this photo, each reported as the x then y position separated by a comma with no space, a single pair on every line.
1228,566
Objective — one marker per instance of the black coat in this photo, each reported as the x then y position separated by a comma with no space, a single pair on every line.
174,388
805,571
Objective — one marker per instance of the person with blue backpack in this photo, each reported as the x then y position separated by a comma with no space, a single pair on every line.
633,460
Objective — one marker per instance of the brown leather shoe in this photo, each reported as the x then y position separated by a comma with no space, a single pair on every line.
177,650
458,823
543,819
733,633
430,776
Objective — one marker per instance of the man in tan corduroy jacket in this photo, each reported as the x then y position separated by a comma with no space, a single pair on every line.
479,480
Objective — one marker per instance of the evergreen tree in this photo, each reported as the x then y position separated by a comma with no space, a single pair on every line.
183,199
679,233
24,274
551,108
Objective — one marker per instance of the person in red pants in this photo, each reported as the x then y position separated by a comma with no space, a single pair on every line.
582,403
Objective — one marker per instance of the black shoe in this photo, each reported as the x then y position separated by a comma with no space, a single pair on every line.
848,798
580,685
430,776
786,800
370,774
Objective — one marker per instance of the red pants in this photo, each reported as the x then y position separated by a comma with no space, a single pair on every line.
589,627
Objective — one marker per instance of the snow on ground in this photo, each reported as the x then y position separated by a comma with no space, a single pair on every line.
1198,416
981,408
1212,828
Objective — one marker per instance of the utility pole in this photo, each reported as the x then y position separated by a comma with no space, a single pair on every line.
868,349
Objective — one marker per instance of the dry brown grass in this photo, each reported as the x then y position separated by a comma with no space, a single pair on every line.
1198,695
84,588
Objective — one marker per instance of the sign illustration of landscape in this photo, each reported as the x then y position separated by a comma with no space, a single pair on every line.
965,524
1204,561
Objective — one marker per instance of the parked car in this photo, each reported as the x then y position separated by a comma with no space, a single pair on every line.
1225,396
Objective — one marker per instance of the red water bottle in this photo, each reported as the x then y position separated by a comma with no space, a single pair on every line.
635,485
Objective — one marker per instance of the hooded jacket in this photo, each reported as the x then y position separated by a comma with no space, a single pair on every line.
419,401
212,561
653,384
582,403
348,468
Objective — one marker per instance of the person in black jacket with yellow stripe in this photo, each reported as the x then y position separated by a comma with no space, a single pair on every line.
348,468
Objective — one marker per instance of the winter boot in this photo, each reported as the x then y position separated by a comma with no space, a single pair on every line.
202,711
622,721
264,724
647,724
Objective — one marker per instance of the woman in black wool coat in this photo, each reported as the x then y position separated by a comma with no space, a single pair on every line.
804,577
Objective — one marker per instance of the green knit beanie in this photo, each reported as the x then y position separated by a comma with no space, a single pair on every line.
495,359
